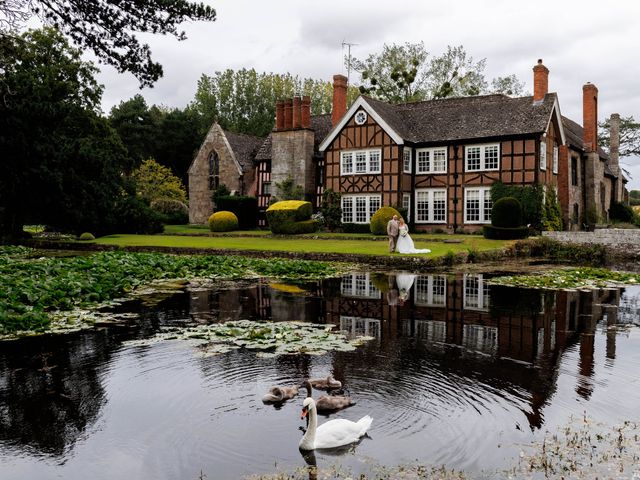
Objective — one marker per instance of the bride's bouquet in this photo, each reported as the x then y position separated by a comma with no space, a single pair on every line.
403,233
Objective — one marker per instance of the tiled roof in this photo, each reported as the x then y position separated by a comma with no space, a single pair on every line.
244,148
574,134
320,124
466,118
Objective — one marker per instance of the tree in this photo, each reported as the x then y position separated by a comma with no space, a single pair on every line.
61,161
154,182
455,74
137,127
398,74
106,26
287,189
509,85
244,100
629,136
403,73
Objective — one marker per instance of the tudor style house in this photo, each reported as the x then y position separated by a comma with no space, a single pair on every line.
439,158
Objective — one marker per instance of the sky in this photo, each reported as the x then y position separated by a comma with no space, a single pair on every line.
579,41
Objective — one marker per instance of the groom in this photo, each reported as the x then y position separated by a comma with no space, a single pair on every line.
393,232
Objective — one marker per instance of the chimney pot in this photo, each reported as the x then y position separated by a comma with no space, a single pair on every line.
288,114
306,111
540,81
339,99
297,112
279,115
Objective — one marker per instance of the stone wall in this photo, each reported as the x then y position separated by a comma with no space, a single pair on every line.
626,241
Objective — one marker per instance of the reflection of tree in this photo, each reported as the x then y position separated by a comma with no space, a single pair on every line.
50,389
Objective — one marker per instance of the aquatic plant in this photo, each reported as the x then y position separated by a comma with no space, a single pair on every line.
33,287
268,338
570,278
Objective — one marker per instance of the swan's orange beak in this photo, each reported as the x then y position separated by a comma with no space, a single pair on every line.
305,410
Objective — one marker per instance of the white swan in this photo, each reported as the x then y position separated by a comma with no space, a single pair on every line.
333,433
280,394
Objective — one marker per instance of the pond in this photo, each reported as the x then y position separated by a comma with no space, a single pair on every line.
458,372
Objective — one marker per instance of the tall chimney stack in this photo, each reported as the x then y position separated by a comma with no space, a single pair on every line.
297,112
288,112
590,117
279,115
540,81
614,141
306,111
339,99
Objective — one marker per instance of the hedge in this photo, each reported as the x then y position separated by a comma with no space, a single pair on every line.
380,219
223,221
291,217
505,233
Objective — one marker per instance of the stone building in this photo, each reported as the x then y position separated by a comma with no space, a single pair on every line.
224,158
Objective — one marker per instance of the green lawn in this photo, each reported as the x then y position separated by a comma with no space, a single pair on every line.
318,245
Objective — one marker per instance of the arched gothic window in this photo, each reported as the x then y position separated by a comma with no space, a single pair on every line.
214,170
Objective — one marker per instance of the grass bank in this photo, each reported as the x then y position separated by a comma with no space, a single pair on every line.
351,245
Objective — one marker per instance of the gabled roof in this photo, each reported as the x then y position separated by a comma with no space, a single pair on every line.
320,124
450,119
244,148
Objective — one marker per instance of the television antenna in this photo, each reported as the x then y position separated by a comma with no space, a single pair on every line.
348,45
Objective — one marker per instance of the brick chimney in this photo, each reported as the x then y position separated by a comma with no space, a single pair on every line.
306,111
540,81
280,115
288,114
590,117
297,112
339,99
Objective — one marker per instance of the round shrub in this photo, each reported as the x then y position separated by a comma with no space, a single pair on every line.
381,218
506,213
86,236
223,221
291,217
173,212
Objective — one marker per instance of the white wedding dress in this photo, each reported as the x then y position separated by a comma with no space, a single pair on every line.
405,243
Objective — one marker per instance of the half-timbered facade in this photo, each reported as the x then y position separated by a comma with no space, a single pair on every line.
439,158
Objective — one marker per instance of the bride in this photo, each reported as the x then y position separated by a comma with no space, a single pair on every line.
405,243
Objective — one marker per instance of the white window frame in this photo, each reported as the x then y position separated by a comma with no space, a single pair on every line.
484,193
475,292
406,204
406,160
351,200
431,153
555,159
483,157
543,155
358,285
425,288
352,154
431,193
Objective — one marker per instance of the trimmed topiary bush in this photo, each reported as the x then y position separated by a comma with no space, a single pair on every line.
223,222
506,213
506,221
380,219
86,236
291,217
